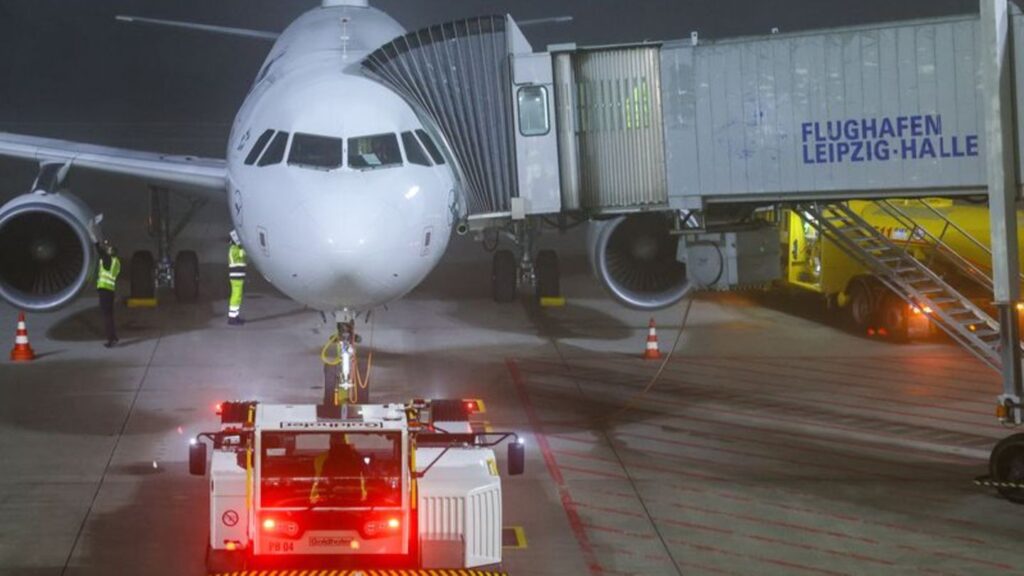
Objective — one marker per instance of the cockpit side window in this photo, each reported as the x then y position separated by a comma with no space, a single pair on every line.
319,152
378,151
258,147
414,152
431,147
275,152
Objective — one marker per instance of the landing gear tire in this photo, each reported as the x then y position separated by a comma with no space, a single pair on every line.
503,277
143,266
894,318
1006,464
224,561
861,308
548,276
186,277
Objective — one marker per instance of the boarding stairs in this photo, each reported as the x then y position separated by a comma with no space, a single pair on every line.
910,278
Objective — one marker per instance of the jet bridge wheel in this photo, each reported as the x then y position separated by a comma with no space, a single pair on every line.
141,276
503,277
548,276
186,276
1006,464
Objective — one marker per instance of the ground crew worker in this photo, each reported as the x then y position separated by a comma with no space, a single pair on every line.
106,286
341,463
236,276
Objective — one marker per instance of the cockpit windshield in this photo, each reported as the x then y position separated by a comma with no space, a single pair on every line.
377,151
330,469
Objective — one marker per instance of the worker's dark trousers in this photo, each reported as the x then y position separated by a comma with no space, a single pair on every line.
107,308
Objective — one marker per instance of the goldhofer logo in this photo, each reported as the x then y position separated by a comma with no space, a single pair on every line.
328,541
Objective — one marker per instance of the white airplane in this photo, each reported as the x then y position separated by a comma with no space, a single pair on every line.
344,199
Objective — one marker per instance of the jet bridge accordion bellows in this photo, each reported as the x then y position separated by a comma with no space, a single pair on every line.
458,76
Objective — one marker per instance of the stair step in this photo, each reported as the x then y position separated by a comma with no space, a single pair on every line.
905,269
934,290
960,311
943,301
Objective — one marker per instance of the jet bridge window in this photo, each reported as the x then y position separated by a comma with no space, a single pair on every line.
414,152
369,152
257,148
275,152
431,147
533,111
318,152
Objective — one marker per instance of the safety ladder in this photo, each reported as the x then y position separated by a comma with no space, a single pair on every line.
907,277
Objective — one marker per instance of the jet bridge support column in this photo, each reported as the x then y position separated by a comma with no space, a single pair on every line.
1002,193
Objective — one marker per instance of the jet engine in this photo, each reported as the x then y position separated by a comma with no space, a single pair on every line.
46,250
635,257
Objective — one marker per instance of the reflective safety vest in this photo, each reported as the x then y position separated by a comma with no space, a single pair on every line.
107,279
236,262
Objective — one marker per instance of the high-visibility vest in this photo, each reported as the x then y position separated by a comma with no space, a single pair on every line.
236,262
107,279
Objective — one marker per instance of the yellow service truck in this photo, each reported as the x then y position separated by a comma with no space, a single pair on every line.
951,237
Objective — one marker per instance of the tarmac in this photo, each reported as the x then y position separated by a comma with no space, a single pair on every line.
773,442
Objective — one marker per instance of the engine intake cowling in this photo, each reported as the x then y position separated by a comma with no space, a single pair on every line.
47,254
635,257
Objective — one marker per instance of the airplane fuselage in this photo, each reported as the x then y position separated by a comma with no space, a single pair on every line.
341,201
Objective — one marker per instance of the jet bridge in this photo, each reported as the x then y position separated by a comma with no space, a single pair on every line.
671,147
868,111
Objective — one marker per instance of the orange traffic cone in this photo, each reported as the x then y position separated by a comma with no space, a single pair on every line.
22,351
652,352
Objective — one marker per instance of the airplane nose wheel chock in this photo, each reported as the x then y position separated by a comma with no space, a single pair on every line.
344,381
1006,469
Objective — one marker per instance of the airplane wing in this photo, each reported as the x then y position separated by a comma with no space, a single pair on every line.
152,167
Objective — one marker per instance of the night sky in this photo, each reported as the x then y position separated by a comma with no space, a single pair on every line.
69,61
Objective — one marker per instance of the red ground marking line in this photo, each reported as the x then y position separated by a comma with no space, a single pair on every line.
618,531
595,473
952,556
627,552
830,466
967,375
573,516
733,413
783,563
844,517
857,379
780,523
794,393
706,568
760,431
937,458
812,548
696,526
610,510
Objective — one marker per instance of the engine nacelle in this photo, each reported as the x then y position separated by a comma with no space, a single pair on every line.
635,257
47,253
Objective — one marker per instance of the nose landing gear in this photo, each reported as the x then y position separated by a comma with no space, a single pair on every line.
344,383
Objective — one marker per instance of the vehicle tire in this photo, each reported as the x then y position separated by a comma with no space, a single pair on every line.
548,275
186,277
861,308
223,561
894,318
503,277
141,277
1006,464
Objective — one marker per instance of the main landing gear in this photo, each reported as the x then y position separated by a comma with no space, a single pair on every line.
148,274
539,274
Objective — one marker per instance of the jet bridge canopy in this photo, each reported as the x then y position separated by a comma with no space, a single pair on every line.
894,109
